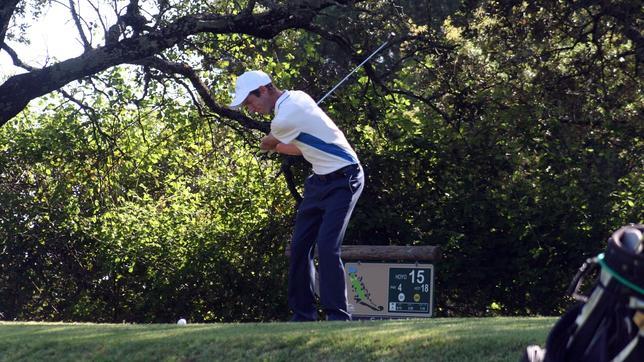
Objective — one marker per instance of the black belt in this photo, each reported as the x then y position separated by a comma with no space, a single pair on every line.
339,173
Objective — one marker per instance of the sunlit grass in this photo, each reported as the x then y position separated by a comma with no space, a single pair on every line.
453,339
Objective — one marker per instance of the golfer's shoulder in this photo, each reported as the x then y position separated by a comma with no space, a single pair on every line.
294,108
300,99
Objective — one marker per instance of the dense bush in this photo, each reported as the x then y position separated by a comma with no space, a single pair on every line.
510,135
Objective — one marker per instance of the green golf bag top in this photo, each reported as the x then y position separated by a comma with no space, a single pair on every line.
609,324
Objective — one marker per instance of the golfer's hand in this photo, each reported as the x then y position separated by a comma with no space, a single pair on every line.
268,143
265,155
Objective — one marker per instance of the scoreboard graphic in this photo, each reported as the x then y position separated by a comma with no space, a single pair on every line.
390,290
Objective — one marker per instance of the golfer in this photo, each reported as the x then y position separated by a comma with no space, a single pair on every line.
300,127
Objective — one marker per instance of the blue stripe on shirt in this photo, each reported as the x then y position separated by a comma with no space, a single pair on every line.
325,147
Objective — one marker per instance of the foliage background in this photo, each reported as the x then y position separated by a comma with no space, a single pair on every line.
506,132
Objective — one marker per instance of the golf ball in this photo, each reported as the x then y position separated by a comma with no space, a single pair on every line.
182,322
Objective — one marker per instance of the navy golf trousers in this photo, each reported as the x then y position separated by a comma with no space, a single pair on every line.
322,219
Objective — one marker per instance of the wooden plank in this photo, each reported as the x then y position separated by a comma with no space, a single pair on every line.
387,252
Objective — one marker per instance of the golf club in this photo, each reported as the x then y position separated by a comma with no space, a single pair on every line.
391,35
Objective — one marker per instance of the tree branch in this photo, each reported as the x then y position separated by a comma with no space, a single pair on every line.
86,44
245,122
91,115
286,169
20,89
16,61
7,8
250,7
204,93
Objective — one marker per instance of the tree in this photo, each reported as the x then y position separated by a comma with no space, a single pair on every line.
151,42
506,132
129,41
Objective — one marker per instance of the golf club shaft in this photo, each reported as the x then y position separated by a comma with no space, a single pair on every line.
353,71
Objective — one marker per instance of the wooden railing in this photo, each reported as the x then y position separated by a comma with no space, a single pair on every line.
388,252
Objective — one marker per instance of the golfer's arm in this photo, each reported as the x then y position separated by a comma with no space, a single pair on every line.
288,149
268,142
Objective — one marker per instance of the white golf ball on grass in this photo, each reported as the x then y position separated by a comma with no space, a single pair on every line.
182,322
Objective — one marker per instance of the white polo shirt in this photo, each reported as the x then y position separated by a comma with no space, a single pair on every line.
299,121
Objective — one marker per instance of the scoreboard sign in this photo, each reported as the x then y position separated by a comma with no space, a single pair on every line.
390,290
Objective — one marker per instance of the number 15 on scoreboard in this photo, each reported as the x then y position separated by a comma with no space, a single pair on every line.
411,290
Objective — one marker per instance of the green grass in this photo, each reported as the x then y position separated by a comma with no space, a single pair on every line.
449,339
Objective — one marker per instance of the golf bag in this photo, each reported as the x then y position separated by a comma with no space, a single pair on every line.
609,324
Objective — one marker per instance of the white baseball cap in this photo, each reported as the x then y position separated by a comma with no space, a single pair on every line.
246,83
